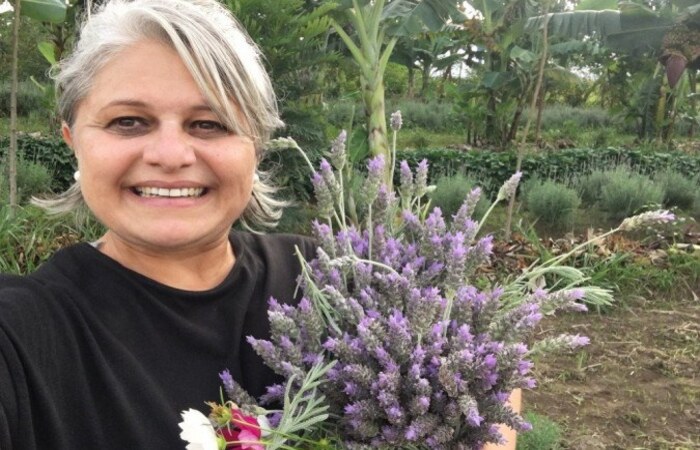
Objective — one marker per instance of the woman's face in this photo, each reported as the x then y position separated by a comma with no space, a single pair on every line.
157,167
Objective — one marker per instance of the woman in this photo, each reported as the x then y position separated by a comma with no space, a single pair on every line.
167,108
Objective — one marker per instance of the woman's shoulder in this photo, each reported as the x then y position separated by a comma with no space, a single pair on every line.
279,245
42,287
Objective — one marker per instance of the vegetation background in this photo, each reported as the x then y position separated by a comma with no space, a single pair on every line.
594,100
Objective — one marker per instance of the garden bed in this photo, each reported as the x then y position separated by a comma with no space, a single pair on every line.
637,385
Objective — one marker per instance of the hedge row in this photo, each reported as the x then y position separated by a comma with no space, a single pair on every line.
560,165
494,167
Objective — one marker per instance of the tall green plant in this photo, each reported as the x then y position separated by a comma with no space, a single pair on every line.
377,26
45,11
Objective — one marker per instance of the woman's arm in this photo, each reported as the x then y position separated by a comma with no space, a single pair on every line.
507,432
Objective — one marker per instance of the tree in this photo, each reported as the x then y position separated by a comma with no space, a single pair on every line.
42,10
507,70
668,31
377,27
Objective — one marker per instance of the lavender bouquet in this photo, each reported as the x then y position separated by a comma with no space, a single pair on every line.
398,342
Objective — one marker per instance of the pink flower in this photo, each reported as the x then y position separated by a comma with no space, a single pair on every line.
243,432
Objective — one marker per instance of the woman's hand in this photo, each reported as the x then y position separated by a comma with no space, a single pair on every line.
508,433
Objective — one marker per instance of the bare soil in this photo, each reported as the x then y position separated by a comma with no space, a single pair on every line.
637,385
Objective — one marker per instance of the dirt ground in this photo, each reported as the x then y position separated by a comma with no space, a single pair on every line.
636,386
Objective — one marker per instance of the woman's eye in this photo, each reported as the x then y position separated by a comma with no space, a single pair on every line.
127,124
209,127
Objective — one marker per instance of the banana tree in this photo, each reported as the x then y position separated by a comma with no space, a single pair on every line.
45,11
370,31
671,35
507,75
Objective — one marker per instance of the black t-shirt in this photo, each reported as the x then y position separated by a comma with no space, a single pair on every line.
94,355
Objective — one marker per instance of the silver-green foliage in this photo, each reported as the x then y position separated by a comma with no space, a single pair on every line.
554,204
679,191
450,192
590,187
32,179
628,192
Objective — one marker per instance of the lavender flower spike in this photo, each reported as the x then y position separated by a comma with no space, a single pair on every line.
647,219
509,187
396,120
337,155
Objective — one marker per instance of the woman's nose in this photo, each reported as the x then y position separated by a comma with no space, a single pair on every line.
171,148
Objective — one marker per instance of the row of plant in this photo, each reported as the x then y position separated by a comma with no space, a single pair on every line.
492,168
617,192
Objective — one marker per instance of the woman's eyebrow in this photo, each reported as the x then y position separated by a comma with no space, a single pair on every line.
142,104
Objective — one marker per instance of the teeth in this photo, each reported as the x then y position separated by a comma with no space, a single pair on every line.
173,193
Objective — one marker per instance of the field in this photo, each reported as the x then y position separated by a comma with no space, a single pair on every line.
637,385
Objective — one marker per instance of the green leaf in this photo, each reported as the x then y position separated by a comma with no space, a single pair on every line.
520,54
596,5
577,24
47,50
408,17
53,11
684,3
494,80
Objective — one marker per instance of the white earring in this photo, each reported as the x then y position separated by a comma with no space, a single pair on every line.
76,175
256,178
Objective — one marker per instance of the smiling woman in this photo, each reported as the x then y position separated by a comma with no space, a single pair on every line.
137,158
167,109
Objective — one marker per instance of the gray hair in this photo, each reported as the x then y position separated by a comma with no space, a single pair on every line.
224,62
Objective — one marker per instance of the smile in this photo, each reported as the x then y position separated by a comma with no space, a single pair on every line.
170,193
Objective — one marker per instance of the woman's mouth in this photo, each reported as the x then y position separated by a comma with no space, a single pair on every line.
147,191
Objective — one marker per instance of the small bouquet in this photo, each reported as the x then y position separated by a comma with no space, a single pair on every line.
398,342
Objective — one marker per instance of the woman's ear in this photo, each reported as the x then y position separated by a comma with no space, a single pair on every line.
67,135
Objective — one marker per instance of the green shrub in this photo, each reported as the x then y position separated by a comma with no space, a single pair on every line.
575,118
29,98
431,115
52,153
561,165
590,187
554,204
545,434
450,193
679,190
627,192
32,179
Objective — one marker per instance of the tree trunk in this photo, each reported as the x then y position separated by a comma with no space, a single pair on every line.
12,154
425,81
540,108
535,96
446,76
411,82
692,84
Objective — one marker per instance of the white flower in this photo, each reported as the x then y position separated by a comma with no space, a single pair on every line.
198,431
264,424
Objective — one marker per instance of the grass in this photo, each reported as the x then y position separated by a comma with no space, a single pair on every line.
33,123
29,237
545,434
418,138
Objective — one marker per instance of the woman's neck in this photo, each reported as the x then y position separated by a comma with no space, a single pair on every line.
197,269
